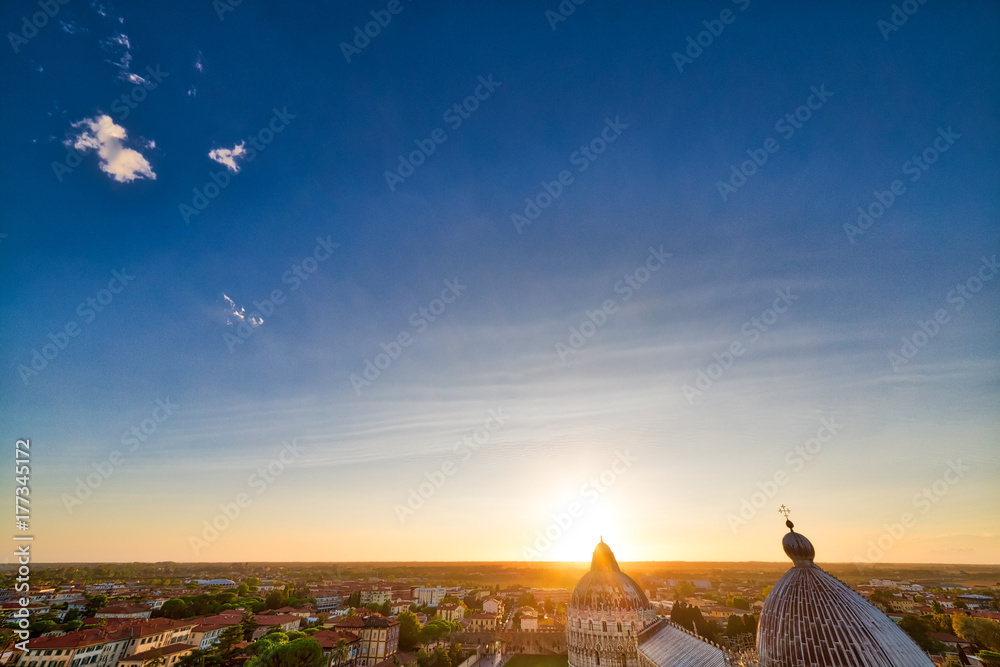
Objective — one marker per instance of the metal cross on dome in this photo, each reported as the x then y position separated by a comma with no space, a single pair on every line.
784,510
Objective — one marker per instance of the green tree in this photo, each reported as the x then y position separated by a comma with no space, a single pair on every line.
915,627
70,626
409,631
737,602
249,625
71,615
243,590
41,627
276,599
684,589
981,631
229,638
295,634
340,653
304,652
936,607
96,603
734,626
354,599
174,608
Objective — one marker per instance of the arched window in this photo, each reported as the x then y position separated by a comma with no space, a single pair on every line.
619,627
598,655
604,627
591,624
623,660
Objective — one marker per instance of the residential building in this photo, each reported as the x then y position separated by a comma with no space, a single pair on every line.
484,622
429,596
453,611
267,622
166,656
379,637
329,640
493,605
124,610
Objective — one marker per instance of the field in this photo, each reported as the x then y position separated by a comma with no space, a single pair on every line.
538,661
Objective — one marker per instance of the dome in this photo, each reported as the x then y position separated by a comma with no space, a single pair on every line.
813,619
605,586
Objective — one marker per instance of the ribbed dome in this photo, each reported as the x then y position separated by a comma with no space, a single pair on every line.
605,586
813,619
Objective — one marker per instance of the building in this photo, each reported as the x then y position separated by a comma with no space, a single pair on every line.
606,615
378,635
399,606
493,605
429,596
267,622
484,622
165,657
125,611
529,619
329,641
453,611
376,596
813,619
553,595
104,648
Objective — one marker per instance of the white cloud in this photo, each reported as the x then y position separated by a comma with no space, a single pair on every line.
198,64
240,314
100,134
192,91
228,156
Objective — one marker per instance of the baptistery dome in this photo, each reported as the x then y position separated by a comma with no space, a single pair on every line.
606,613
812,619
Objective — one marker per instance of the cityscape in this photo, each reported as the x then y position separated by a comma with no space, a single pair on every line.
566,333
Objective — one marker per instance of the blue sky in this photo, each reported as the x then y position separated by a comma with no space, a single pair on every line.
362,448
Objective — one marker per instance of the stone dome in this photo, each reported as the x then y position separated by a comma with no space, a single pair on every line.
605,586
812,619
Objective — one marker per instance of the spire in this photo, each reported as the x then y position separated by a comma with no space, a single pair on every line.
604,558
796,545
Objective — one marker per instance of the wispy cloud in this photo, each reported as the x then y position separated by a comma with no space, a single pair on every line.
228,156
102,135
237,313
198,65
71,27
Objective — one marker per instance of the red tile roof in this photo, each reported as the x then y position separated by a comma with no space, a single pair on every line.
329,638
164,651
276,619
